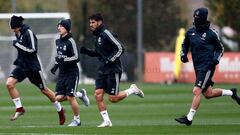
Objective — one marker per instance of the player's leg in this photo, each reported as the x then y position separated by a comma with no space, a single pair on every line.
49,94
195,105
61,98
56,103
99,94
60,110
11,86
82,95
202,78
208,92
135,91
195,102
16,76
36,78
71,87
116,98
75,109
233,94
61,113
217,92
113,81
101,82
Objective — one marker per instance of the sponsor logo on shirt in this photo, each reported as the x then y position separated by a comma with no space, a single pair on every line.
64,48
204,36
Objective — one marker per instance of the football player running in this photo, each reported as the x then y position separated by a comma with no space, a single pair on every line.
206,52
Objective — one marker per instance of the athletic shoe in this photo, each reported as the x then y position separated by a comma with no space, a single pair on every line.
235,96
184,120
19,112
84,97
62,117
137,92
105,124
74,123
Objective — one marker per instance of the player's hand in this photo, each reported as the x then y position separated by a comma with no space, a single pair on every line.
184,59
215,62
83,50
59,59
14,42
54,69
105,61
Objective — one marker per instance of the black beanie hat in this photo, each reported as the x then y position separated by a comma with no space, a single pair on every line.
16,21
200,16
66,23
201,13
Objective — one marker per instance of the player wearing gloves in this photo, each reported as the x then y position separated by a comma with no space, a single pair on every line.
66,60
27,66
108,50
206,52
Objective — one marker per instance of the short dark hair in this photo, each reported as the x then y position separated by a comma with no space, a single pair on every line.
96,17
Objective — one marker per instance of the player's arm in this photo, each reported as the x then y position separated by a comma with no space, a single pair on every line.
89,52
219,49
28,44
54,68
185,49
118,48
74,51
56,65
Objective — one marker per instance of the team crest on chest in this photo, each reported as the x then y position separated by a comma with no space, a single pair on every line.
204,36
21,38
99,41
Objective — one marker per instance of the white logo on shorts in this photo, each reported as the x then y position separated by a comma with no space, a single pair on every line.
199,83
113,90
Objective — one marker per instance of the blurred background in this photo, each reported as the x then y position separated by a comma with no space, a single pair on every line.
149,30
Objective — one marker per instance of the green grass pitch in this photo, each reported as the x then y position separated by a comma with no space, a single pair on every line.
153,115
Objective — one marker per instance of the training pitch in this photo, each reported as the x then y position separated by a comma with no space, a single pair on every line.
152,115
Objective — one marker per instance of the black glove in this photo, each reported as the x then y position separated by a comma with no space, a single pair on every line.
54,69
14,42
184,59
59,59
105,61
83,50
215,62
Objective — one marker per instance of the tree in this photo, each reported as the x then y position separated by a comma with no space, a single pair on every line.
161,21
5,6
226,13
36,6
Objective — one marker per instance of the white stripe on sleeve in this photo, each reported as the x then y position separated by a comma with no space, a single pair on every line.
116,42
24,48
32,39
74,46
